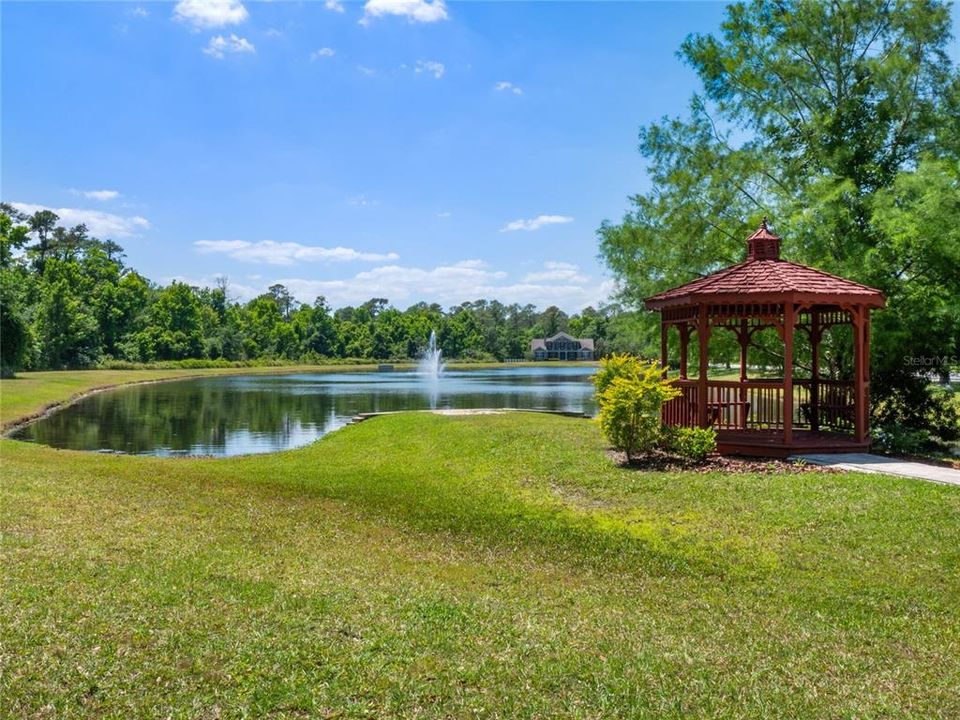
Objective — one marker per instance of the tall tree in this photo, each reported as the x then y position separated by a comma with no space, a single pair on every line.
42,224
283,298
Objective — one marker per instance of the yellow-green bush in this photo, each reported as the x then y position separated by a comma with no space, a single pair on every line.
630,393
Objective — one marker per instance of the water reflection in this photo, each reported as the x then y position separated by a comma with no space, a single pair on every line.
255,414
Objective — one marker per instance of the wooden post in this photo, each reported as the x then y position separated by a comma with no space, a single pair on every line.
744,337
684,347
866,372
788,320
664,329
859,426
703,338
815,333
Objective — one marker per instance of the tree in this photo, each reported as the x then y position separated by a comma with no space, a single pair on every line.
389,335
320,332
283,298
12,236
113,251
262,318
552,321
460,335
919,218
14,330
68,244
176,323
814,114
67,332
42,224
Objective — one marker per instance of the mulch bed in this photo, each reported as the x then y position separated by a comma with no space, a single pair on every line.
664,462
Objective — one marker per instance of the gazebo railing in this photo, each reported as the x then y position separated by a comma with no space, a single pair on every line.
681,411
758,405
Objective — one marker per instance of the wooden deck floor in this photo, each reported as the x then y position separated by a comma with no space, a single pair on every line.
769,443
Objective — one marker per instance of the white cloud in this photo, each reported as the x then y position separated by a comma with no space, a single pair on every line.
368,71
557,272
443,214
219,46
101,224
286,253
536,223
235,291
139,11
102,195
335,5
323,52
475,265
361,201
508,87
203,14
425,11
404,285
449,284
274,33
432,67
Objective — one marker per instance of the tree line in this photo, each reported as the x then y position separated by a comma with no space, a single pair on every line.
68,300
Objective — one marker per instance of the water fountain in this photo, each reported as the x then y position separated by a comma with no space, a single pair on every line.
429,368
431,364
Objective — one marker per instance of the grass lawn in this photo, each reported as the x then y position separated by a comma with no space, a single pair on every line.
492,566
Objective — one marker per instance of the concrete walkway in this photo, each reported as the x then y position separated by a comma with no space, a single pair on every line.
864,462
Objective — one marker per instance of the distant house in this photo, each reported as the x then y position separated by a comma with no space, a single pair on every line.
562,347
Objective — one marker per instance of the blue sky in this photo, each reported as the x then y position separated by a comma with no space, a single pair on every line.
397,148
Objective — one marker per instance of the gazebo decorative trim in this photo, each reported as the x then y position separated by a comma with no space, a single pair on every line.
781,416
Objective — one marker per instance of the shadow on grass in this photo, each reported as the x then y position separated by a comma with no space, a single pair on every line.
488,481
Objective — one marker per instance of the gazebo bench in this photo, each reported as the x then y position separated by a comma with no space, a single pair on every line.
829,414
715,410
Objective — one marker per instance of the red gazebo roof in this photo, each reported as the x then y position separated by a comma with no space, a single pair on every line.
764,277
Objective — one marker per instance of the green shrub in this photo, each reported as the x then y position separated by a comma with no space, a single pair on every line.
630,401
693,443
944,416
899,440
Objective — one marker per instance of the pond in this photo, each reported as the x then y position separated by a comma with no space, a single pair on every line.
236,415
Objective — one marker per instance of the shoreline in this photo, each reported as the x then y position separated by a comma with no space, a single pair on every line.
11,426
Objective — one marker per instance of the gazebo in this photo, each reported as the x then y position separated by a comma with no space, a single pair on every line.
779,416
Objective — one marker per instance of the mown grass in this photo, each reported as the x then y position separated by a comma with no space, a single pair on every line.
491,566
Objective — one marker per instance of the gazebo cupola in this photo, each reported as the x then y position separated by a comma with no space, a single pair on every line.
763,244
771,416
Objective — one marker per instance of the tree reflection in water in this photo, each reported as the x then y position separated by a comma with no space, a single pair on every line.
252,414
